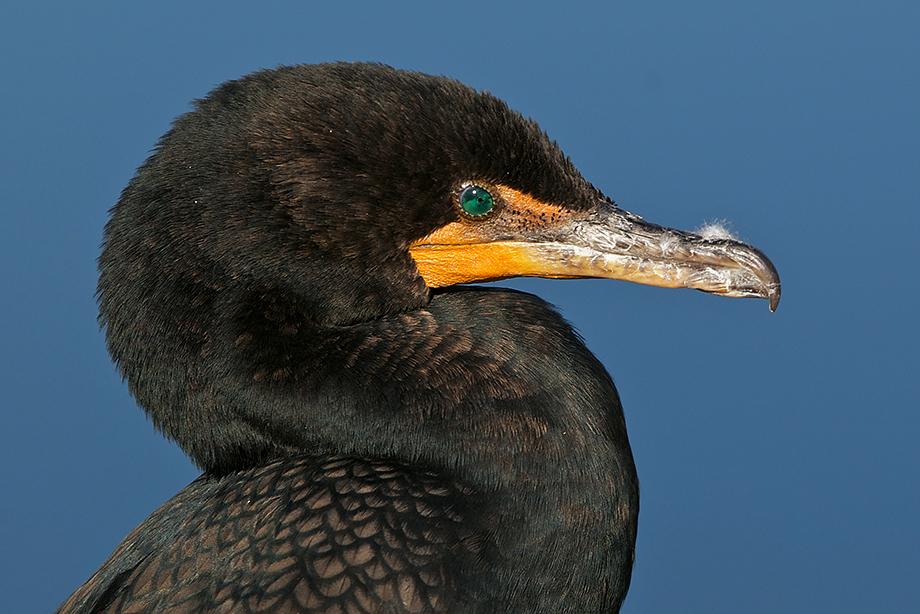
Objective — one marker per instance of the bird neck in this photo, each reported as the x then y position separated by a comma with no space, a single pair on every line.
490,382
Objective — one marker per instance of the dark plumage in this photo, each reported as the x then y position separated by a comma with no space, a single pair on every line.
271,289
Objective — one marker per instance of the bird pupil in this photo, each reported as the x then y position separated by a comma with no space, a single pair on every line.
476,200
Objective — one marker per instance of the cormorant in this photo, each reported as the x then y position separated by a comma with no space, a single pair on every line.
277,288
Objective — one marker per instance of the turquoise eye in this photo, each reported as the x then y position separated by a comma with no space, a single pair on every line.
476,200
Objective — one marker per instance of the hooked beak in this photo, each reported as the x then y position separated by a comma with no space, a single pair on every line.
605,242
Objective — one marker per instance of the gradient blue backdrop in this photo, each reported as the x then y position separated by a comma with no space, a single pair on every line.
777,453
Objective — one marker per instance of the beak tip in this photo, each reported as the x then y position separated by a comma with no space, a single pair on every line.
774,298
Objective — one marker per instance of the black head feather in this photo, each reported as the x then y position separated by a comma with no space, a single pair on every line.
277,214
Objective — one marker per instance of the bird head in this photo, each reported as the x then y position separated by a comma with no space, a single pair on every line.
308,199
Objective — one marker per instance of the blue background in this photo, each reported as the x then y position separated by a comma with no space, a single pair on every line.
778,453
